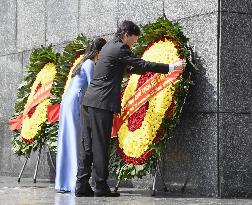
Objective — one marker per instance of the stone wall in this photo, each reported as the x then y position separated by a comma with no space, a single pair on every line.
210,153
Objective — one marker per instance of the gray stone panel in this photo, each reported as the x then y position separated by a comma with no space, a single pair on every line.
141,11
26,60
11,76
5,147
202,32
7,26
189,165
30,24
62,21
236,154
190,162
108,37
175,9
244,6
45,169
60,47
144,183
235,63
98,18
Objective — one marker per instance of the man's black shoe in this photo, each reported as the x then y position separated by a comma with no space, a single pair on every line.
84,194
106,194
83,189
102,190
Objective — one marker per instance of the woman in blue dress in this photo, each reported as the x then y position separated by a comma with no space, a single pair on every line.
70,122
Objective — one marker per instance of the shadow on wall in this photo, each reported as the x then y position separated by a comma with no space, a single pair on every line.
189,165
190,162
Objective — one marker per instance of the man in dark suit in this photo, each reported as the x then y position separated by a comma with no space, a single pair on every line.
102,99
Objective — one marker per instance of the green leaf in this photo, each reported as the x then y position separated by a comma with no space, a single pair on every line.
151,32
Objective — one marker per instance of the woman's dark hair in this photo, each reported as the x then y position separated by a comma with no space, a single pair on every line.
128,27
94,48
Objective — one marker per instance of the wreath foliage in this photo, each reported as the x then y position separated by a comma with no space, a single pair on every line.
66,61
38,59
151,33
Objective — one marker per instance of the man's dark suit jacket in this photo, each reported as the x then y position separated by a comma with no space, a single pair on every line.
115,58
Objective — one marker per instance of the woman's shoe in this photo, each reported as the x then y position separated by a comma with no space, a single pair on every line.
62,191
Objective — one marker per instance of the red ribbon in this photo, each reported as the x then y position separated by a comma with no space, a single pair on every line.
16,123
41,94
53,113
150,88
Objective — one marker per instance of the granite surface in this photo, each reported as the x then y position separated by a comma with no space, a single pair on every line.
8,29
61,21
189,8
190,161
43,193
244,6
236,154
140,12
98,18
193,154
203,94
30,15
11,75
235,63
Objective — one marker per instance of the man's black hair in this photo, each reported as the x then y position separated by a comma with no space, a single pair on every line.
128,27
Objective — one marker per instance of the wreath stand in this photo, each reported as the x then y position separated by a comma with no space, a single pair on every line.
157,170
43,144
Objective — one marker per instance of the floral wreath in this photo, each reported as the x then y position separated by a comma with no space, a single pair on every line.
72,55
151,103
30,114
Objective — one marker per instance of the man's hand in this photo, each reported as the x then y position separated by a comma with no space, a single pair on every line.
179,65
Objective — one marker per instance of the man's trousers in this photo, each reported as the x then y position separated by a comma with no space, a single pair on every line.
95,133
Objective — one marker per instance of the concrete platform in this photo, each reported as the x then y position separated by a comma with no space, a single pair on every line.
28,193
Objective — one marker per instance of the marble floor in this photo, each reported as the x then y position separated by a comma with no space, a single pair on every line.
28,193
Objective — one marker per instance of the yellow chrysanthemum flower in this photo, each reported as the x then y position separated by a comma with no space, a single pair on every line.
46,74
134,144
31,126
69,77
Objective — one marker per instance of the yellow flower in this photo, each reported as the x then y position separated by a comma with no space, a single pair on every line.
31,126
134,144
46,74
69,77
130,89
161,52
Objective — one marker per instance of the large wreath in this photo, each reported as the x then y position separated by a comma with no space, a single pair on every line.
30,114
151,103
40,94
72,55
